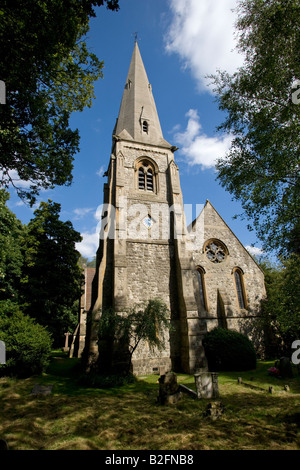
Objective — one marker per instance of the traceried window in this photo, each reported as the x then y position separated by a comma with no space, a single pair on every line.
240,288
201,282
146,176
215,251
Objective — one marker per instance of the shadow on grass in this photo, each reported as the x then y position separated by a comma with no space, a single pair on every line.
260,377
129,417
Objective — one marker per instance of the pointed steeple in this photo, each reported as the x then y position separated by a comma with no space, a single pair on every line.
138,119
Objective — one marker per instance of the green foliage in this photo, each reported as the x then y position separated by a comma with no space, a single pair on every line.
149,323
11,258
39,267
96,380
281,309
262,167
49,73
120,334
52,277
228,350
28,344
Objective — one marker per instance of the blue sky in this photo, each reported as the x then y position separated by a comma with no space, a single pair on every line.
181,41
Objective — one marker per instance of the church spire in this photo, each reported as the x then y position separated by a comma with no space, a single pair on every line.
138,119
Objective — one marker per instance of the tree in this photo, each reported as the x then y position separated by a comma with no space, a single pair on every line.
52,277
121,334
84,262
11,257
281,309
228,350
48,73
92,263
262,167
28,344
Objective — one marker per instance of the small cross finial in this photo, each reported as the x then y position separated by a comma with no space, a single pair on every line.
135,36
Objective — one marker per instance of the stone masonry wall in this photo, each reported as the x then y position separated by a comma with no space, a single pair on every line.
219,277
150,274
149,271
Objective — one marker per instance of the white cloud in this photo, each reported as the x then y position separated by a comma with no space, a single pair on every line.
101,170
254,250
89,244
20,204
15,178
197,147
81,212
90,240
202,33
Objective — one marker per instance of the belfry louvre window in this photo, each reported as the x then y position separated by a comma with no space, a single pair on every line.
141,178
149,177
240,289
146,180
145,127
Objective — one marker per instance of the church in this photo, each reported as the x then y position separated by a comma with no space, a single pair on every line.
202,272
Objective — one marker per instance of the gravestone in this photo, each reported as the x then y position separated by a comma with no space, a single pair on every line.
169,392
41,390
285,367
207,384
66,347
214,410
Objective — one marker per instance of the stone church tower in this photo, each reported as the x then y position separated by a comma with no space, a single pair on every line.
202,272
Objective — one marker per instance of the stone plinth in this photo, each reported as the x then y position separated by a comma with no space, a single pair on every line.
207,384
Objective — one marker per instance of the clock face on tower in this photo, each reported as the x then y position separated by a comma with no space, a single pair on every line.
148,222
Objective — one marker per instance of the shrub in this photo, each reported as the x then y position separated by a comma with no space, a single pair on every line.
28,344
95,380
228,350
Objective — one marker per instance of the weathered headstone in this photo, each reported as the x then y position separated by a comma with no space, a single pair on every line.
207,384
41,390
285,367
214,409
169,392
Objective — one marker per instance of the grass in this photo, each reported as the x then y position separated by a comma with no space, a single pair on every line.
129,417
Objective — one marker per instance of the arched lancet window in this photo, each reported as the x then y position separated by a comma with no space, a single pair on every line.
202,290
240,287
146,175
